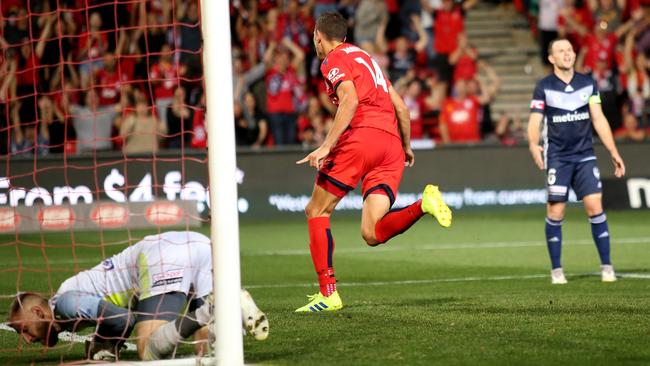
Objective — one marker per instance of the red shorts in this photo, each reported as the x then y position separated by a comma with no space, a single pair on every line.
374,156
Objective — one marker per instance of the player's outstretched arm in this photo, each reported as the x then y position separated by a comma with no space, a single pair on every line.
534,122
601,125
404,124
348,102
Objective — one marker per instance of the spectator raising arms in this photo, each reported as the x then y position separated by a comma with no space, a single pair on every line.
284,89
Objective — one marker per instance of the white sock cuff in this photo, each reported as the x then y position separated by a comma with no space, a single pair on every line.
203,313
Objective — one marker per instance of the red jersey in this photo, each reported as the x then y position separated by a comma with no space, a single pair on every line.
350,63
96,48
602,49
465,68
448,25
27,74
282,90
461,118
109,86
165,77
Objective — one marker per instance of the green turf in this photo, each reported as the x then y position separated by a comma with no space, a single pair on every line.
477,293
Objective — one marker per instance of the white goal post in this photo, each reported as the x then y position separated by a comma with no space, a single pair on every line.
217,71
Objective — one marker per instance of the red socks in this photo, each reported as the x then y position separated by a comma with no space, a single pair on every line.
398,221
321,246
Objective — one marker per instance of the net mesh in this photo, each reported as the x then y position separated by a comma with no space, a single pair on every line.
102,140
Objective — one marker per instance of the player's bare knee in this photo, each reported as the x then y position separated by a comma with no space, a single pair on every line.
555,211
312,211
369,236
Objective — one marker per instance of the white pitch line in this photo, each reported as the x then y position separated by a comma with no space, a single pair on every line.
364,249
71,337
445,280
447,246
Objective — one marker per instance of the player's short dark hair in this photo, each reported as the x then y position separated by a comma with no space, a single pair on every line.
550,44
333,26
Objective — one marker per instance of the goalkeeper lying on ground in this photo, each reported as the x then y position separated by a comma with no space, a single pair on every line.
148,286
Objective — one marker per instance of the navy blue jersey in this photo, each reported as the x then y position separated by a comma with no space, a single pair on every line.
568,130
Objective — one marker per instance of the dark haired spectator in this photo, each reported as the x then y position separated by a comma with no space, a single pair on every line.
179,121
404,57
251,127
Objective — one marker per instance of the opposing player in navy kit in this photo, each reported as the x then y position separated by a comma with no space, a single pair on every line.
568,105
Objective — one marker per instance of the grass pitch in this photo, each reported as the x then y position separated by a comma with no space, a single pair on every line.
478,293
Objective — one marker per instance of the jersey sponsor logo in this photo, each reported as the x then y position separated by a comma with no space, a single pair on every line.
557,190
164,213
9,220
107,264
461,116
56,218
110,215
537,104
334,75
167,278
571,117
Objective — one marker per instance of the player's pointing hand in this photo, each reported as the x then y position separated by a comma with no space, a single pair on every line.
316,157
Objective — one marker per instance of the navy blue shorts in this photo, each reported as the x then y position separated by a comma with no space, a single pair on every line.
583,177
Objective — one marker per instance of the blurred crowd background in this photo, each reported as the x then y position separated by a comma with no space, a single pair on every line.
91,75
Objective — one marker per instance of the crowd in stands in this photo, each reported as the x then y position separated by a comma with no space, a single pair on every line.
612,41
422,47
93,75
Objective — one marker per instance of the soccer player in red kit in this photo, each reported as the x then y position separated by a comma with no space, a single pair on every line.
369,142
